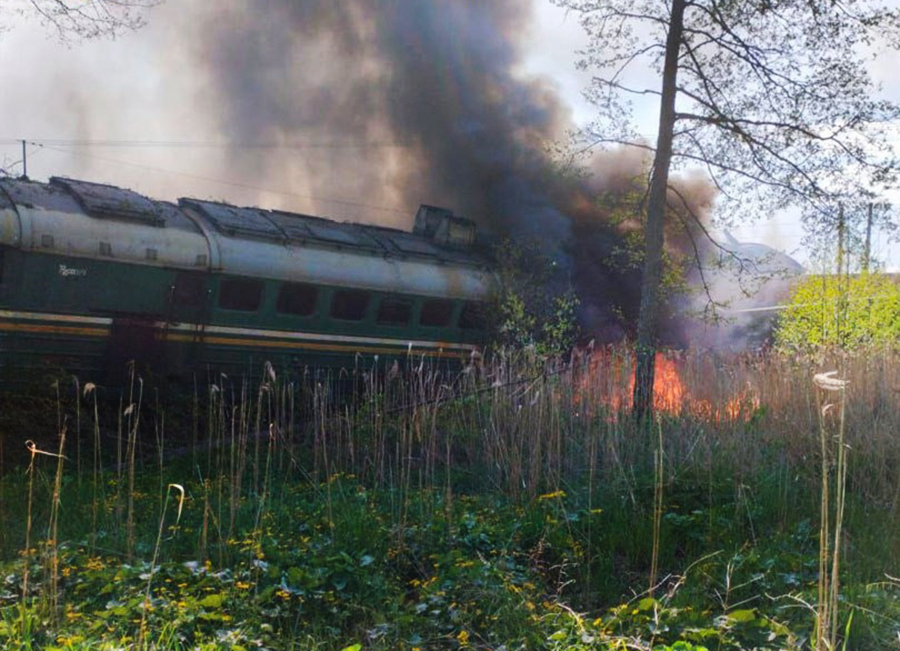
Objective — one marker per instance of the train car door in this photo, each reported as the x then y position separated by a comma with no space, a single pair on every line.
132,340
188,312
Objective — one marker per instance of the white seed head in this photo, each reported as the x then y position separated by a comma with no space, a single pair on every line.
828,382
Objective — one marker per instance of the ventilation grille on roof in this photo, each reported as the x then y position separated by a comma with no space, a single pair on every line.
108,202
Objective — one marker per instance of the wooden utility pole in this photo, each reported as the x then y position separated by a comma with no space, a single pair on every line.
843,276
840,246
867,256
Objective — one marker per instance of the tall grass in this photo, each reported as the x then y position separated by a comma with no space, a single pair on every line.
518,425
742,433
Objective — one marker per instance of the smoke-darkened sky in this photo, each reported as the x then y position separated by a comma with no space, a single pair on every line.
161,84
376,105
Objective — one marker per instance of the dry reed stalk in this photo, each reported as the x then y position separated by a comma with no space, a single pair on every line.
120,467
53,529
133,415
195,421
828,591
203,542
840,503
90,389
257,430
658,476
142,629
236,428
256,551
26,553
77,431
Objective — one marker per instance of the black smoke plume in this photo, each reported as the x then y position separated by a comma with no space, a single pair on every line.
401,102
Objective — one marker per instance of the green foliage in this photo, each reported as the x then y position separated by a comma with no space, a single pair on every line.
529,314
481,572
845,312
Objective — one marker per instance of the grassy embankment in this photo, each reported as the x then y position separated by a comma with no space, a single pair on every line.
519,508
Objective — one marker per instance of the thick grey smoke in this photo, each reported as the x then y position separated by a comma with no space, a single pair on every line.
356,110
399,101
417,102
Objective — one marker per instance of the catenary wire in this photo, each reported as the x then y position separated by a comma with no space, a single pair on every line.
246,186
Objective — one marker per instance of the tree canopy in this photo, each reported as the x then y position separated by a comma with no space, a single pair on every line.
774,99
80,19
847,312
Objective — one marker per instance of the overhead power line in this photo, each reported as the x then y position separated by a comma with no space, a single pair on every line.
235,184
189,144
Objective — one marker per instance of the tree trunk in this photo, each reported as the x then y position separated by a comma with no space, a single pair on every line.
653,228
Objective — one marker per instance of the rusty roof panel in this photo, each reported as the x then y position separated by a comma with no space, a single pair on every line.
106,201
312,230
237,222
32,194
109,202
400,243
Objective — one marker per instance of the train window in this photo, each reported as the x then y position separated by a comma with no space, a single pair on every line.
298,299
189,290
436,312
240,294
473,316
350,304
394,312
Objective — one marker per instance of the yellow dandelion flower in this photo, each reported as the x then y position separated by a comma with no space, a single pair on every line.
559,494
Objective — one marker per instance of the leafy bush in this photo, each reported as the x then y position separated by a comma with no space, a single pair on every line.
530,312
847,312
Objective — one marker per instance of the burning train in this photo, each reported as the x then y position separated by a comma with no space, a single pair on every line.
93,276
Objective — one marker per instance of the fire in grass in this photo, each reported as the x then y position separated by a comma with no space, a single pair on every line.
605,382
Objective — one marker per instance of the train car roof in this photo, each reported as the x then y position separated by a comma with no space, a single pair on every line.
96,220
307,230
97,200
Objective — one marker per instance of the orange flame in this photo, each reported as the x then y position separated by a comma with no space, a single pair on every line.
668,390
669,393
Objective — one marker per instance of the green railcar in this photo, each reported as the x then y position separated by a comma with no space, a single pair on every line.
93,277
